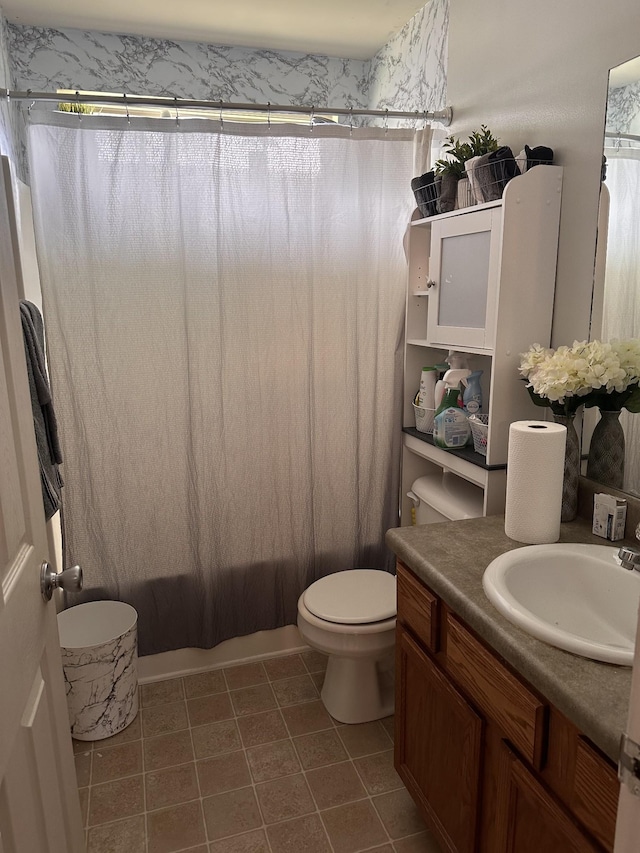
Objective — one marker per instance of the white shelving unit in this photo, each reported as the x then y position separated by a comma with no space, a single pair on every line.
481,281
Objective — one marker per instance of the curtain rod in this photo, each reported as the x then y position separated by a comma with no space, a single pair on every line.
444,116
632,136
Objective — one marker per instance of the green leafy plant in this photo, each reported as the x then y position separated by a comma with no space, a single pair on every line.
482,142
457,153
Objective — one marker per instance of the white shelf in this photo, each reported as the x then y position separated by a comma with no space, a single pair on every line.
522,282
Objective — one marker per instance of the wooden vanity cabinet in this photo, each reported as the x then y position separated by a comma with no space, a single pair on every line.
493,766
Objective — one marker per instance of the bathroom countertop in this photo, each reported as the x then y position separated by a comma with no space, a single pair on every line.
450,557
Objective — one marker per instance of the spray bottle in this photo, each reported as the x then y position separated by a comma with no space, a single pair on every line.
451,426
455,361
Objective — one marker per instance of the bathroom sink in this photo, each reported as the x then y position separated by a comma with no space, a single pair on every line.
572,596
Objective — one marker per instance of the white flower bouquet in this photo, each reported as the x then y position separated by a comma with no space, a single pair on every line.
591,373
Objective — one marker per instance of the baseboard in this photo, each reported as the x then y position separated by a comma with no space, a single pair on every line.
239,650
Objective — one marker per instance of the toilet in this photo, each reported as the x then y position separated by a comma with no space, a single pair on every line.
351,615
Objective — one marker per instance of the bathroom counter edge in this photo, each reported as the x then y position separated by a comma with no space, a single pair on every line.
450,558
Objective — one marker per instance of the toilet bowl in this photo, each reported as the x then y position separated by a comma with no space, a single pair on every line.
351,616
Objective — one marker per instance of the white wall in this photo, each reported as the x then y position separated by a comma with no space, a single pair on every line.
537,73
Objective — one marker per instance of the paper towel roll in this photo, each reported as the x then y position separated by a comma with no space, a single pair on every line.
535,470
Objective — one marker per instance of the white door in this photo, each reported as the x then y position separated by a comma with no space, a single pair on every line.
628,823
39,806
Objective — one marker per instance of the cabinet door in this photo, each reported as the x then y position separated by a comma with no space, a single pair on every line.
438,745
464,264
529,819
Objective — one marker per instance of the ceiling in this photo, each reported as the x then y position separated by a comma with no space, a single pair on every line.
355,29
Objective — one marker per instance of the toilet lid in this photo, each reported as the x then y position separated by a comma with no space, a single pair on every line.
353,597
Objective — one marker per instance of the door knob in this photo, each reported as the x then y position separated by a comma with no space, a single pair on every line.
70,580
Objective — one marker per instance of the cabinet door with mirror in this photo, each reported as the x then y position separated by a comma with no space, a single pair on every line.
616,303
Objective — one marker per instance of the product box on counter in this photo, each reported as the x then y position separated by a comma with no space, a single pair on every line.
609,516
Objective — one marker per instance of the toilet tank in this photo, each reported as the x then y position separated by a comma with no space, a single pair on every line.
445,497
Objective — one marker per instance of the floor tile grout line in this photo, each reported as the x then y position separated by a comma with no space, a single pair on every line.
200,797
290,737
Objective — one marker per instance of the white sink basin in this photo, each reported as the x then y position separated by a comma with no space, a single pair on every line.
575,597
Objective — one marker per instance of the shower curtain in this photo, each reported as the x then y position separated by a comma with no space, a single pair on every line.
224,309
621,312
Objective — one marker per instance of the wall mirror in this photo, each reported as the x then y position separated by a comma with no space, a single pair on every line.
616,304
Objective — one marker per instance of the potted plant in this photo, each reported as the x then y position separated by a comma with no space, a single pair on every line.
451,168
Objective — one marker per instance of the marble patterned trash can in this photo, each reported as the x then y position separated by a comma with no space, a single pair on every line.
99,644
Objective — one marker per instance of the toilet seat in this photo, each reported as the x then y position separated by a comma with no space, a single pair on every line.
354,597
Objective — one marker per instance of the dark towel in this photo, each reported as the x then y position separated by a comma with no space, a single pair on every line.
539,154
44,418
424,190
503,167
484,178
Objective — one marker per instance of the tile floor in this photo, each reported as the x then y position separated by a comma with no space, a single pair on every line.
246,760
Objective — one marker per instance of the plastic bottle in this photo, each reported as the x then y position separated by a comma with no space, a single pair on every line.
472,395
451,426
426,395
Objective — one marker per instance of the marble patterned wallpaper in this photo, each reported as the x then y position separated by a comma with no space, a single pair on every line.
46,59
623,109
408,73
8,112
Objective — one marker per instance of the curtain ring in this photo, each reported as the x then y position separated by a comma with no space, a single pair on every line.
78,105
32,104
350,121
175,98
417,115
386,120
424,117
311,115
269,114
221,119
126,107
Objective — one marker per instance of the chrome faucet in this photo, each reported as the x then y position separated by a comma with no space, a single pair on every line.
629,555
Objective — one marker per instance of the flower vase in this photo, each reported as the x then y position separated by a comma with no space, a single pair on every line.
571,468
606,452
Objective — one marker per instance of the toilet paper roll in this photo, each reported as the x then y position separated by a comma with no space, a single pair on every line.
535,470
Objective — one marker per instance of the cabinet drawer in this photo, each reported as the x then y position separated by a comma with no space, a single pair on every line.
500,695
417,608
595,793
